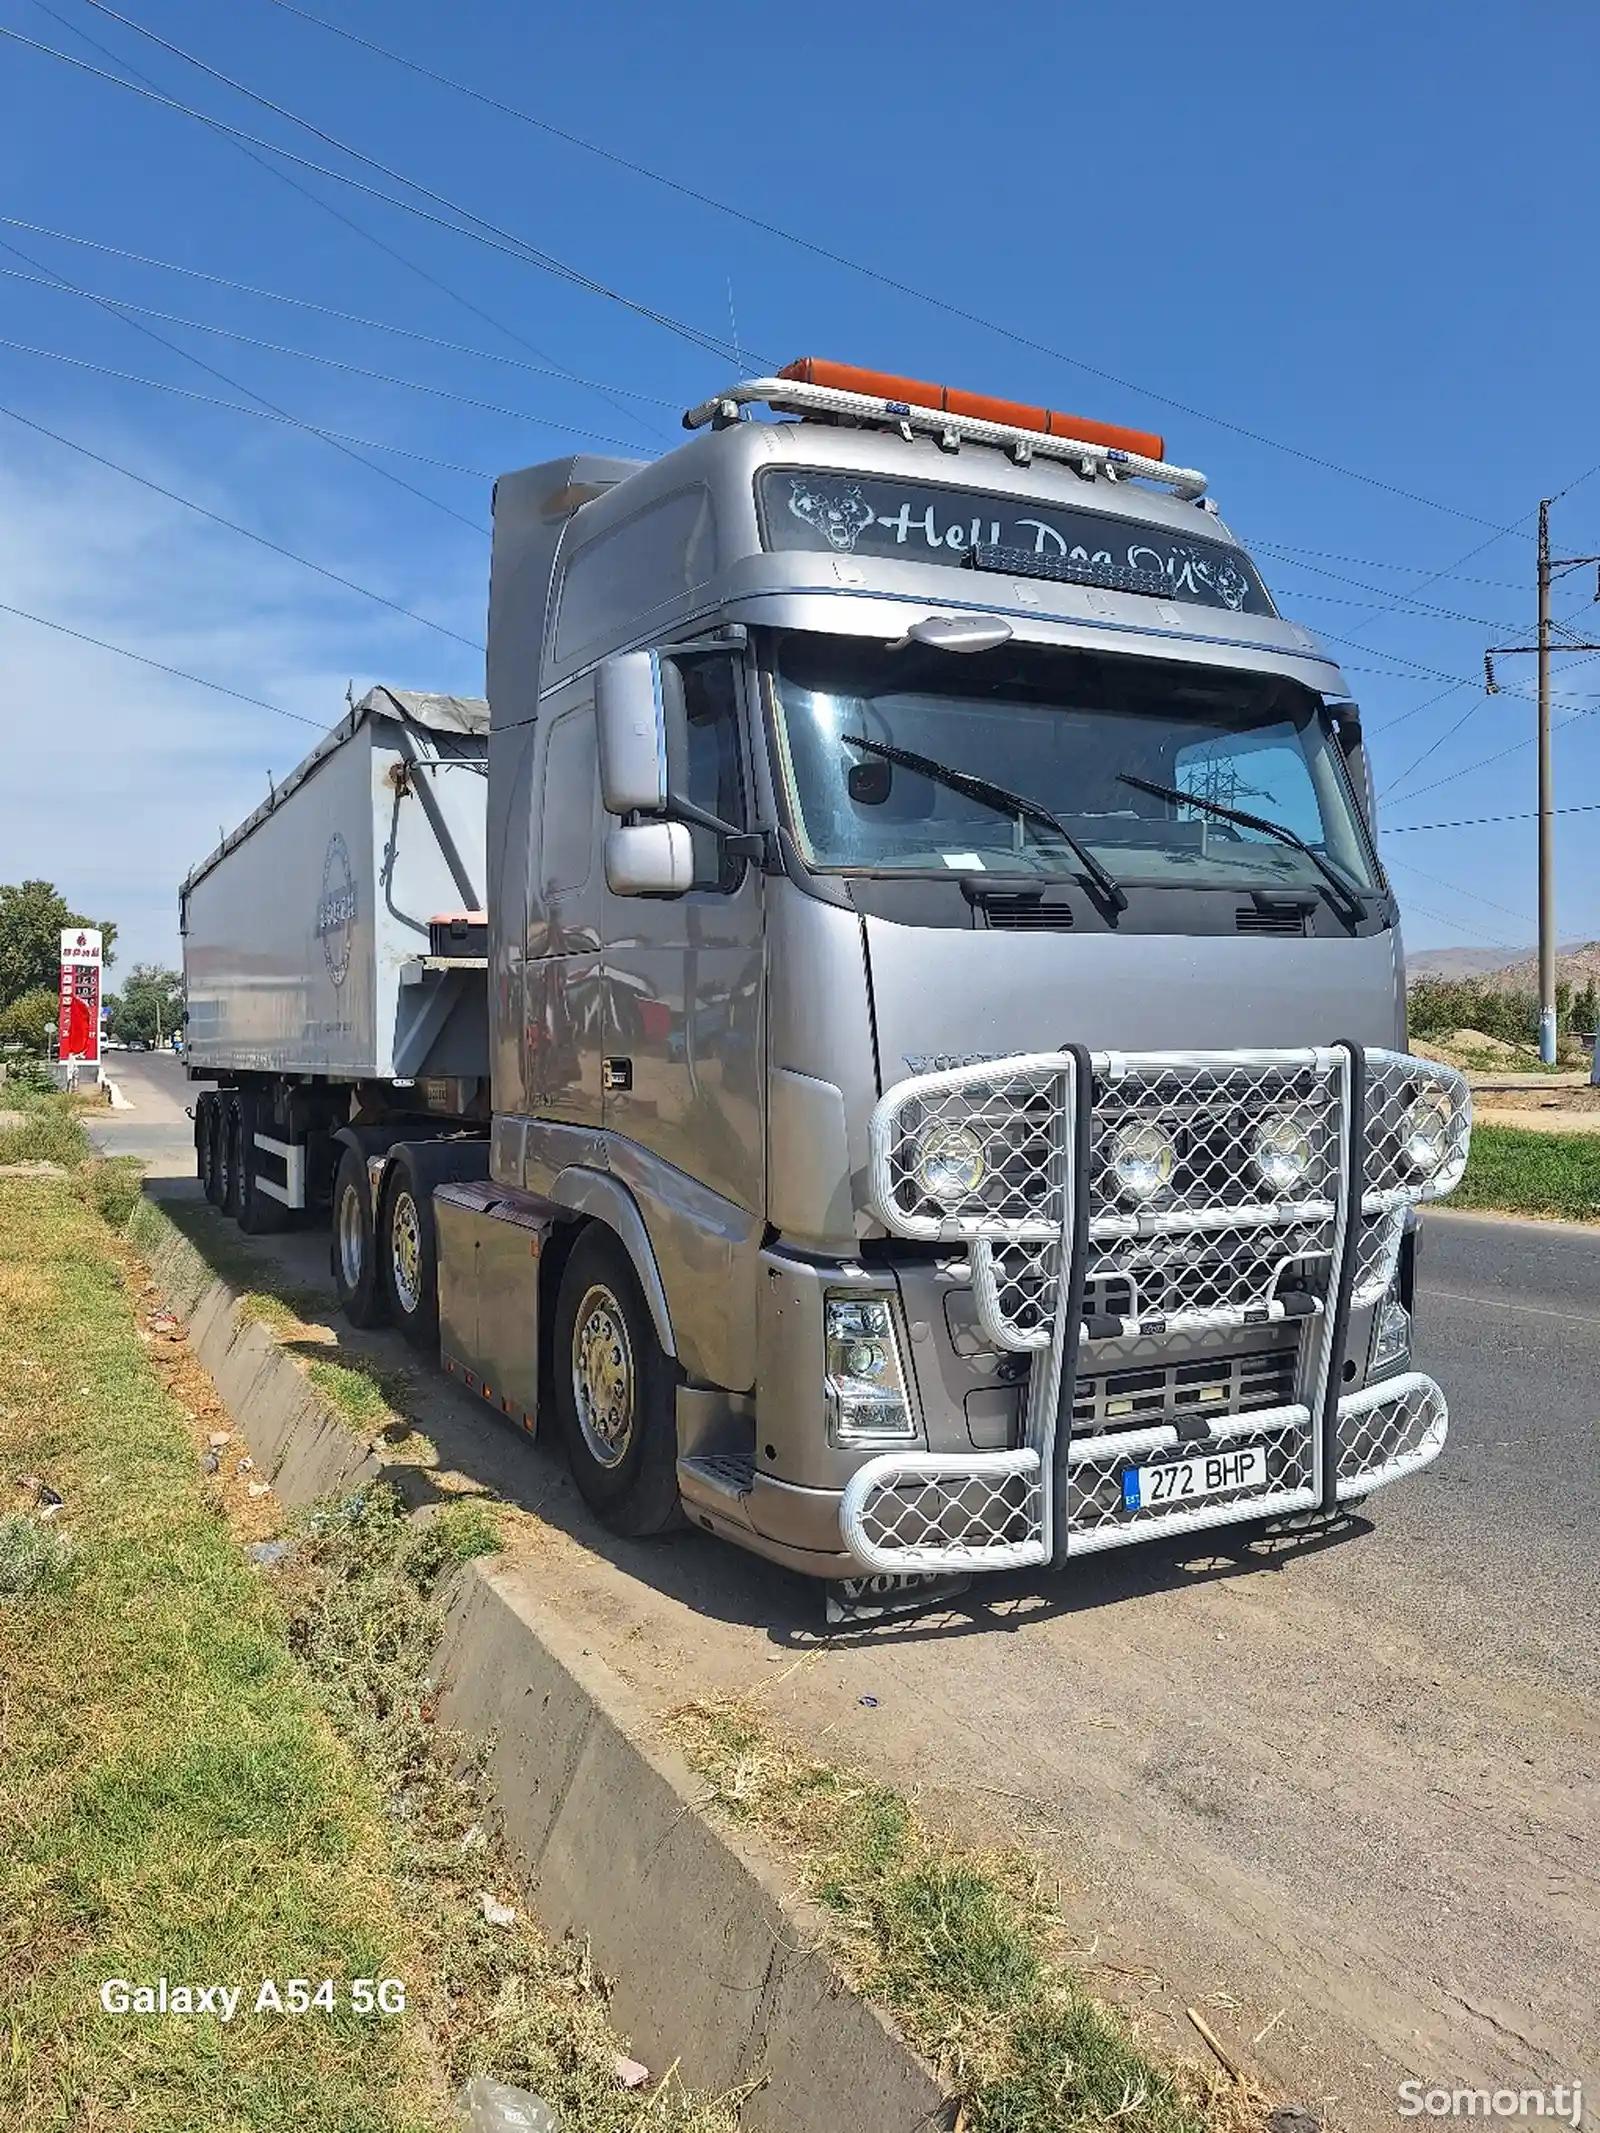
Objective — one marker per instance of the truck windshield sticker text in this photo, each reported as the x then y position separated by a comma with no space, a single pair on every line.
336,909
914,522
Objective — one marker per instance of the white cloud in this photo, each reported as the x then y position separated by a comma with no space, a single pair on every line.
116,778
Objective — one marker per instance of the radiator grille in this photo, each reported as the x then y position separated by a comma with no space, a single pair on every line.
1215,1384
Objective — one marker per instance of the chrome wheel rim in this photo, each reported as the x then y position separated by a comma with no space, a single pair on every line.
352,1239
603,1376
405,1252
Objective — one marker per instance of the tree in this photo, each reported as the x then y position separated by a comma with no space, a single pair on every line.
30,1021
33,918
149,1008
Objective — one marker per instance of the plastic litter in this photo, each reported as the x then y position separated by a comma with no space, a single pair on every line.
486,2106
269,1553
218,1438
871,1702
259,1488
497,1913
631,2073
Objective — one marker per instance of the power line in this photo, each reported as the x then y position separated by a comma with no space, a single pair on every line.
1471,894
855,266
1500,755
359,229
226,378
485,233
232,526
308,355
306,303
1406,829
260,414
1328,555
180,673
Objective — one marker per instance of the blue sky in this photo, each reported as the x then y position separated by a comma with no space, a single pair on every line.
1308,245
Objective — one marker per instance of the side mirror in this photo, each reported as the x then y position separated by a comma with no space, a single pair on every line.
649,859
630,717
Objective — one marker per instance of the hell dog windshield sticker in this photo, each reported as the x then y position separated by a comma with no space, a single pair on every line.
852,514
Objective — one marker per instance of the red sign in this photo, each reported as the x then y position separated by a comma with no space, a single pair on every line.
78,1029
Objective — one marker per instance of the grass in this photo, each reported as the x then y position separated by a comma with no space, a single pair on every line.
362,1596
962,1947
172,1801
1531,1173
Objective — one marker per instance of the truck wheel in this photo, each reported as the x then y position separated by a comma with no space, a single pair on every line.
615,1391
355,1257
410,1247
260,1215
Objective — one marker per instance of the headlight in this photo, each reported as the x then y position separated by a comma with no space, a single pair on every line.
865,1384
1426,1138
949,1163
1142,1160
1391,1334
1281,1151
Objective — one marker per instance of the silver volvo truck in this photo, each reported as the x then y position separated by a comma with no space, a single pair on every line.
946,1105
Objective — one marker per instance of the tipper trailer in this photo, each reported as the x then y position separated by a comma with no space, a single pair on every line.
890,1025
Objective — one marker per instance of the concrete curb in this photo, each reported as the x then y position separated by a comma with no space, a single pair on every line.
716,1966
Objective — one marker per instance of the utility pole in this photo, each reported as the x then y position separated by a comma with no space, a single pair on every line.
1549,569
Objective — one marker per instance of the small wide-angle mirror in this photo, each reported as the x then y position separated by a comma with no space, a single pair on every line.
868,783
959,633
630,716
649,859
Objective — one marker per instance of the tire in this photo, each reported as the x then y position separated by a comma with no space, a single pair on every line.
623,1444
228,1155
354,1252
260,1215
409,1248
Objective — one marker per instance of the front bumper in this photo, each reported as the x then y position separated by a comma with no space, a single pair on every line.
1058,1260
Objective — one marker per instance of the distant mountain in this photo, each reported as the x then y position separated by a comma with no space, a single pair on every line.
1507,969
1462,962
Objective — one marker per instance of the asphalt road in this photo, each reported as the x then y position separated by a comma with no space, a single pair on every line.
157,1127
1341,1792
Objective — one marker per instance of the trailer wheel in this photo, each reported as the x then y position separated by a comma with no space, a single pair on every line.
615,1391
410,1247
354,1256
260,1215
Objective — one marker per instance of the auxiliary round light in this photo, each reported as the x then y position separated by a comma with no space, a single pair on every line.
1428,1134
1281,1151
949,1164
1142,1160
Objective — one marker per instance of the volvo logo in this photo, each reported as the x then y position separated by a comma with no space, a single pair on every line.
336,910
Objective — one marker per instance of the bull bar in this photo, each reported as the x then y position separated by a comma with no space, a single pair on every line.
1281,1185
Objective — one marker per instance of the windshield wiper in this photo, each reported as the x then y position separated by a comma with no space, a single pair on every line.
1346,895
1004,802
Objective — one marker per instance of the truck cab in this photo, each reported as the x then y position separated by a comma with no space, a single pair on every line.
946,1006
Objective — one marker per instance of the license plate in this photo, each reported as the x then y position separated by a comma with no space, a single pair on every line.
1146,1488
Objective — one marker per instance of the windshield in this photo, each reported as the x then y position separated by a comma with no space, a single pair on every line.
1058,729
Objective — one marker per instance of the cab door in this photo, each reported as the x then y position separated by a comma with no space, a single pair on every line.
561,991
683,975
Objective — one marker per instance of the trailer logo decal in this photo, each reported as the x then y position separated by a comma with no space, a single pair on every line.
841,516
336,911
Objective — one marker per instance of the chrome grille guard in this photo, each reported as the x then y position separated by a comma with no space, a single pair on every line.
1281,1185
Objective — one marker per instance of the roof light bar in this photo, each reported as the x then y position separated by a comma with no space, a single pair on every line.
983,407
814,387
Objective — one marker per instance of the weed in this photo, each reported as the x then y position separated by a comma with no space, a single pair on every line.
31,1555
959,1945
